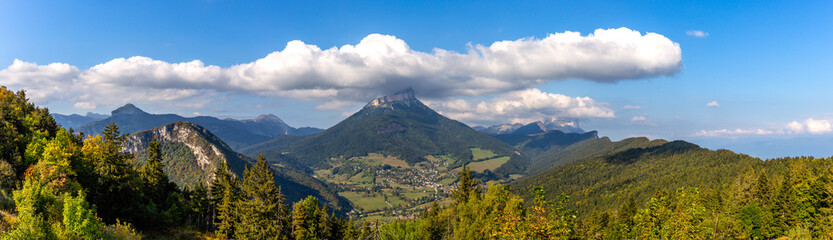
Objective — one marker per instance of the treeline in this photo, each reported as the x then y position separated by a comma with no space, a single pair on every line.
790,197
605,183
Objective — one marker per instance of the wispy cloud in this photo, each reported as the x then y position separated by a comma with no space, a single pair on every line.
642,120
712,104
807,126
631,107
377,65
697,33
727,132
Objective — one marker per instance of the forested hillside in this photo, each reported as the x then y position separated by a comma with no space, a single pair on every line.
585,149
192,154
605,182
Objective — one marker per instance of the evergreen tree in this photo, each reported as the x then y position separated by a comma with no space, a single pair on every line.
261,210
115,180
154,175
783,204
466,186
627,211
762,188
200,208
435,224
225,191
325,227
349,231
306,221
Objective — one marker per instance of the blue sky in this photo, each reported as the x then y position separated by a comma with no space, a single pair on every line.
766,64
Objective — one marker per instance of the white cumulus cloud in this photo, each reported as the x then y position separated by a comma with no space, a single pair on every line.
43,83
84,105
522,106
712,104
377,65
697,33
811,126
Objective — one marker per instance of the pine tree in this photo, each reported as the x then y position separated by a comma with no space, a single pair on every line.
224,191
325,227
200,208
466,186
349,231
627,211
115,185
435,224
154,175
112,135
262,207
762,188
783,204
305,221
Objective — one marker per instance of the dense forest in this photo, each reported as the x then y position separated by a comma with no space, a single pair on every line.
57,184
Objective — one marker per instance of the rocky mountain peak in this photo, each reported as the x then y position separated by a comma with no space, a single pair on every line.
405,97
268,118
127,109
567,126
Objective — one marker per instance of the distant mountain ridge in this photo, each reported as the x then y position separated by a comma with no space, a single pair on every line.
192,153
236,133
74,120
532,128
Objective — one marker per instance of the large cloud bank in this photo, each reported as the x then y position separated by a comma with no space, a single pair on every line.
522,106
377,65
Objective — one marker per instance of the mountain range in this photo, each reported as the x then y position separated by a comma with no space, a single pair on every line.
396,144
236,133
74,120
532,128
